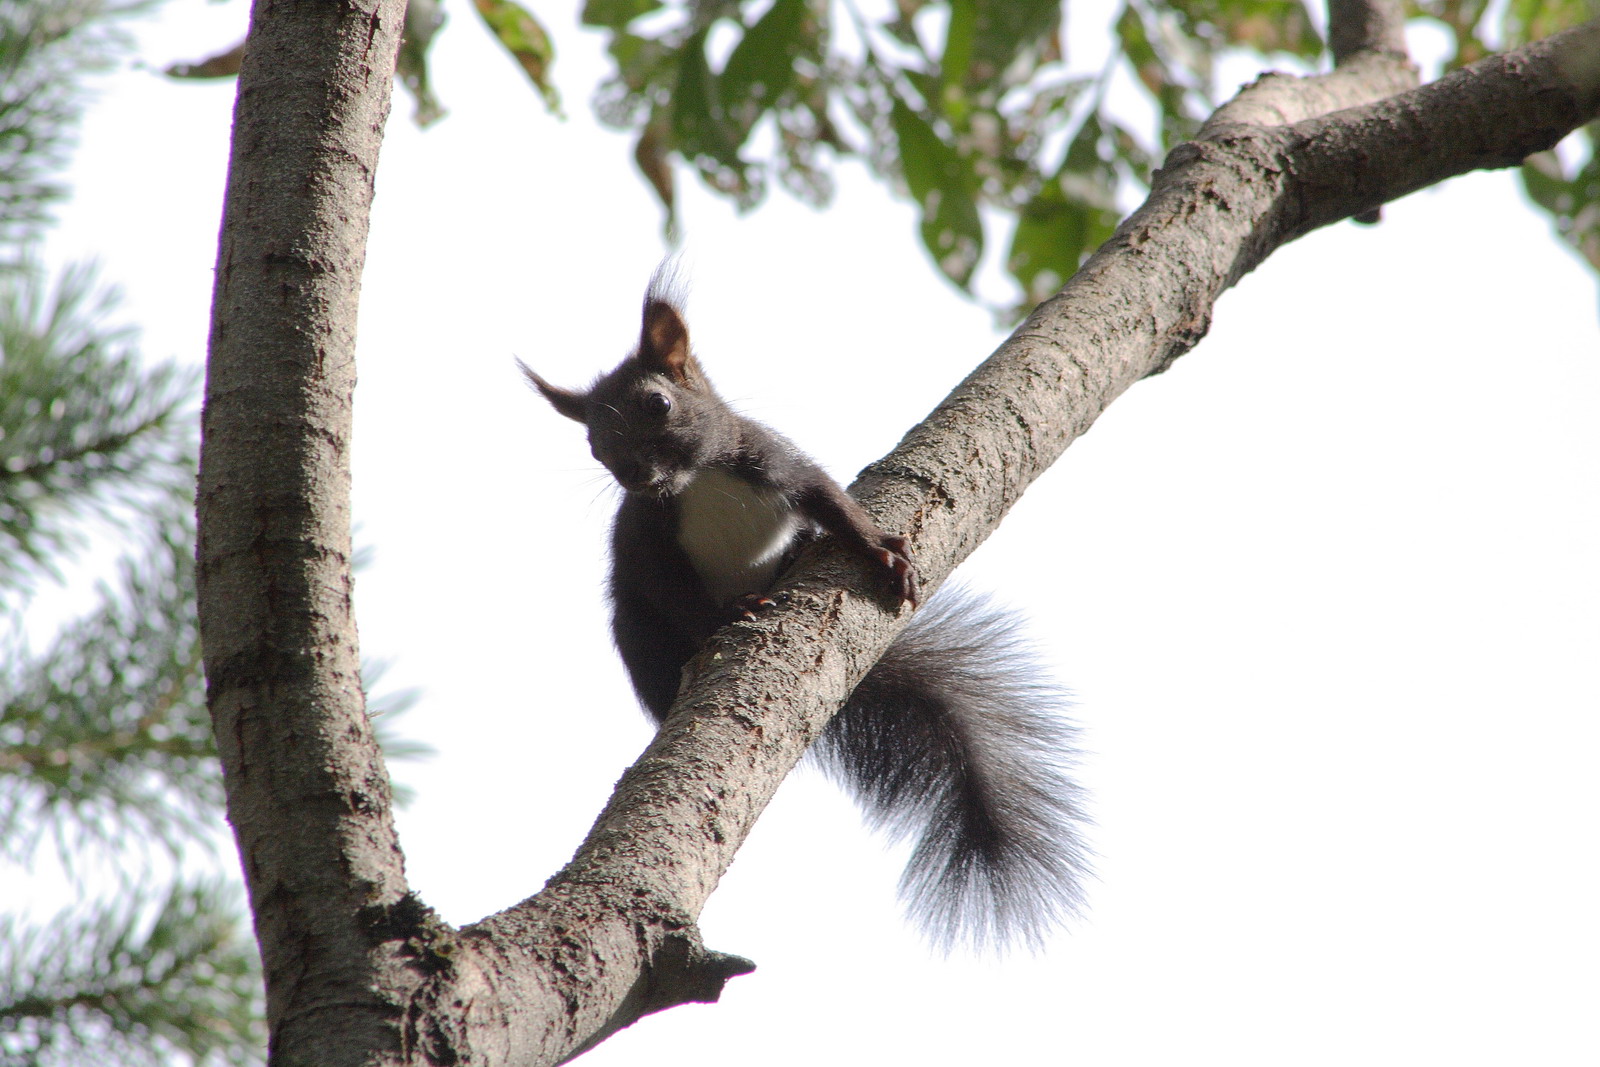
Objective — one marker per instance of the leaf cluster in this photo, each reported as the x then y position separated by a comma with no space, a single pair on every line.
965,105
106,750
513,27
668,86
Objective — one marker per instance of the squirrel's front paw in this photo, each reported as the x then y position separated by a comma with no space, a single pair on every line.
894,552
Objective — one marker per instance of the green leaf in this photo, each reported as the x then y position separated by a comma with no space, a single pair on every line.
1532,20
1268,26
927,85
762,66
985,42
1264,25
701,130
634,55
1147,65
616,14
956,65
694,103
525,38
1071,216
943,185
1545,184
1572,202
1006,30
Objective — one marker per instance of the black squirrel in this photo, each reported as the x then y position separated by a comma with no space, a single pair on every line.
953,739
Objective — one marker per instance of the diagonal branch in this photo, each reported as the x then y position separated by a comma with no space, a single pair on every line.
577,956
1368,44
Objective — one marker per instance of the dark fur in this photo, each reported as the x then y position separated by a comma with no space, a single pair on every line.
952,740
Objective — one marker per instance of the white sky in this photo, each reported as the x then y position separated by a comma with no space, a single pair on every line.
1325,591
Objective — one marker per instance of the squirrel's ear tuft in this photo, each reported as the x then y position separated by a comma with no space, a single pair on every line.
565,401
664,342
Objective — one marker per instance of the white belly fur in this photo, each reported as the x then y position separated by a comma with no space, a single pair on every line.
734,533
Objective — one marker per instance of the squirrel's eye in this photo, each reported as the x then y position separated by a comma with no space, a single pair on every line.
656,403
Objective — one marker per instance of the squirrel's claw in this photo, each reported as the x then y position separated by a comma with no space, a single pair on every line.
750,606
894,552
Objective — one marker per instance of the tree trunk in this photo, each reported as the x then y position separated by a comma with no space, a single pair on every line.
307,791
358,970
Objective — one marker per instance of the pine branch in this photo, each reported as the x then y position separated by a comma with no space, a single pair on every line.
84,429
105,734
132,984
104,738
46,47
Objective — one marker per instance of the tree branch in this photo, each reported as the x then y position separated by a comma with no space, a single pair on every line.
759,693
308,795
1370,61
360,971
1494,113
1356,26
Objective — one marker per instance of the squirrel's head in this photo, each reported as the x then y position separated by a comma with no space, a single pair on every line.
654,421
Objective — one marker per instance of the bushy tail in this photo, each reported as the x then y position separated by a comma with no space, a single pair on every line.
957,740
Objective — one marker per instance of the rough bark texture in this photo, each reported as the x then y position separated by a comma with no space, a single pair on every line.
308,795
1356,26
358,971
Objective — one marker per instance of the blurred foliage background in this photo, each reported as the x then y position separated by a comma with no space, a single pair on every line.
966,106
110,789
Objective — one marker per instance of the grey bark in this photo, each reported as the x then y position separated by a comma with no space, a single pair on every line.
358,970
308,795
1356,26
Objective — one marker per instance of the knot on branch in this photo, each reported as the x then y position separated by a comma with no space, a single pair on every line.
683,971
679,970
427,942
